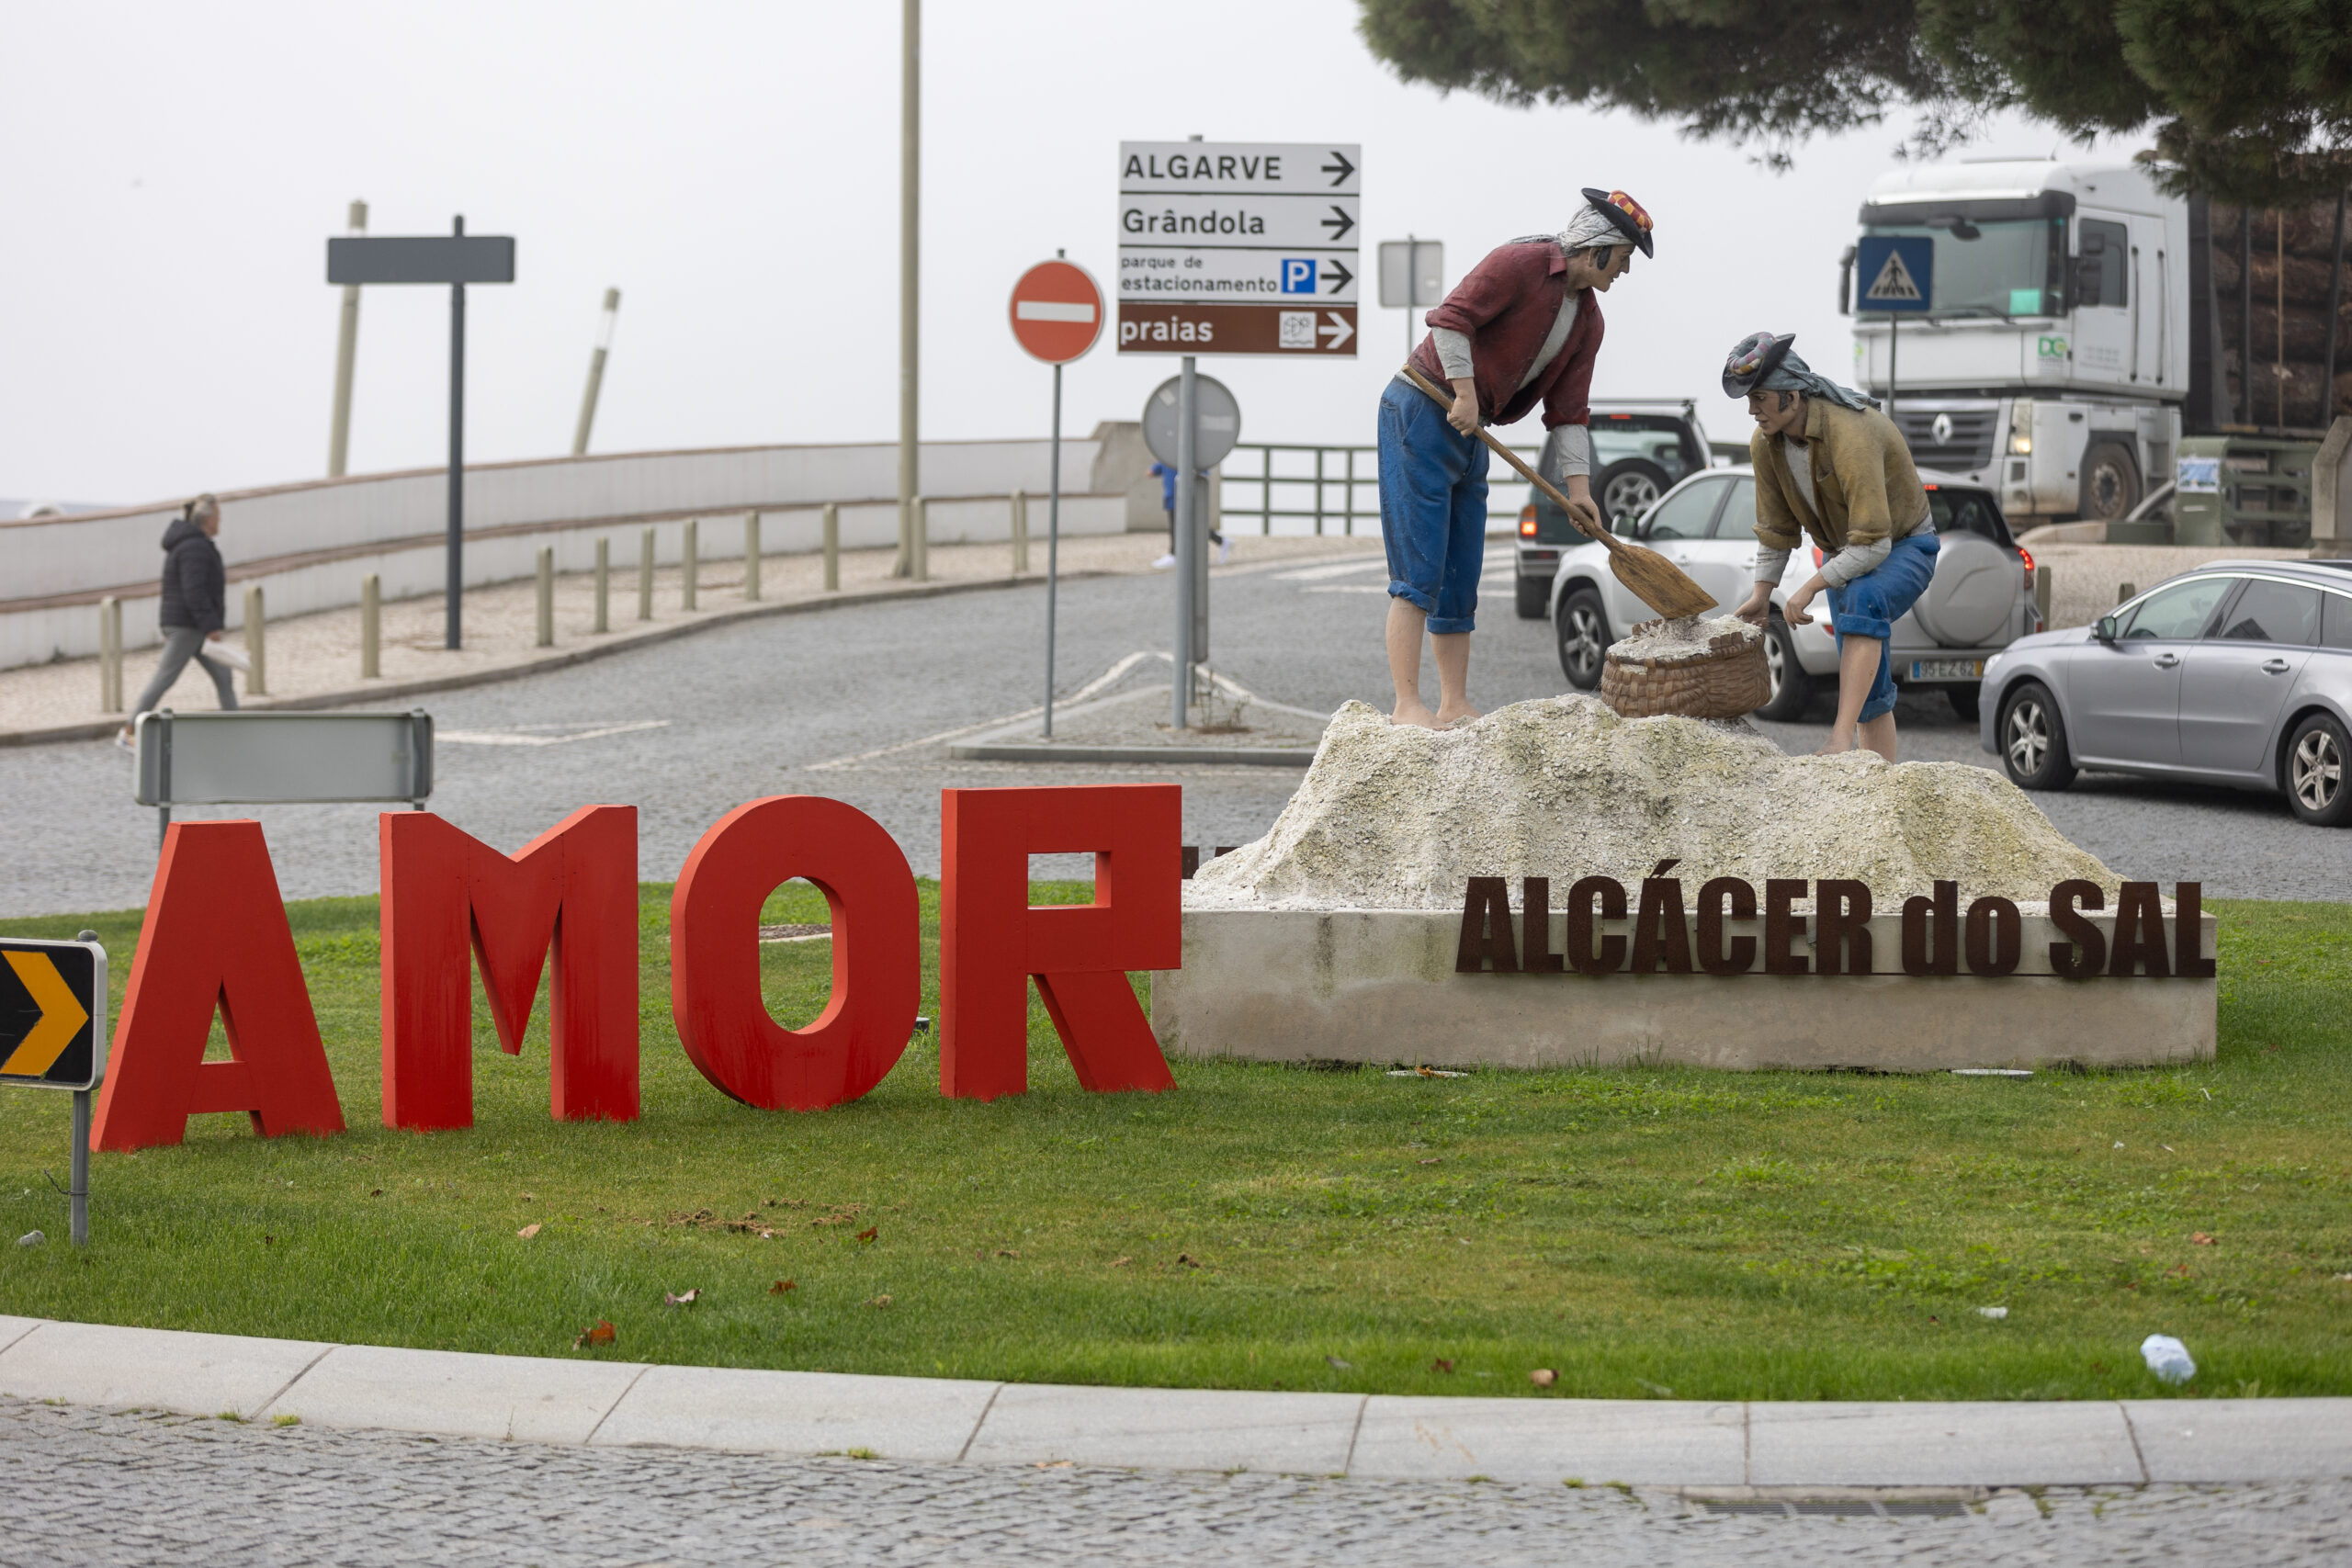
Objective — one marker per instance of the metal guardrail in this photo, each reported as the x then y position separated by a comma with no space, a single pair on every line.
1328,489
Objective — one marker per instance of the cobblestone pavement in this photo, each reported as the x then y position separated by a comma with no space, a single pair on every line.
830,702
106,1487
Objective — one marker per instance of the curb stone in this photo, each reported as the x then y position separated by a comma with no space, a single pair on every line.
1758,1450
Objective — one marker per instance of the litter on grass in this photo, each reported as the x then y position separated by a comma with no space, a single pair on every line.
2167,1358
1425,1073
1991,1072
686,1299
31,1238
1997,1313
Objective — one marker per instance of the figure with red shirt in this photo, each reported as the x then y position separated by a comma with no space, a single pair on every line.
1522,328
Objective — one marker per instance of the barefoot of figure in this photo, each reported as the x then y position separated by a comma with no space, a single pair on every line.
1519,333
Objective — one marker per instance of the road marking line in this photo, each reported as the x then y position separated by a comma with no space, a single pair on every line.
517,737
1100,682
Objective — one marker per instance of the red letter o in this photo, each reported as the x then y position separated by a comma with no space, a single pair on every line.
715,953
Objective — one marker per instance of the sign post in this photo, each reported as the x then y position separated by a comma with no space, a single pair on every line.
1056,315
1902,270
1232,247
1213,425
53,1035
457,260
1412,273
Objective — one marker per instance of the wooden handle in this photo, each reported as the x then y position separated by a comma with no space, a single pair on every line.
1507,455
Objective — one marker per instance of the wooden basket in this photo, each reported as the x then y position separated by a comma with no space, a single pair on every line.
1729,680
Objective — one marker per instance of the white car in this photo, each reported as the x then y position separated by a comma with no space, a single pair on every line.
1979,600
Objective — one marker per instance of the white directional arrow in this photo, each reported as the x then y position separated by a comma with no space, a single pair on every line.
1337,329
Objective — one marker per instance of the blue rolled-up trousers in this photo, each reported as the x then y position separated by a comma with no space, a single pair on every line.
1432,508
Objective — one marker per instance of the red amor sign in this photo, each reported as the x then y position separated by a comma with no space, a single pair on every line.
216,938
1057,311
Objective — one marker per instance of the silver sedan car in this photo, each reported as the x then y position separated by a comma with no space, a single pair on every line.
2239,672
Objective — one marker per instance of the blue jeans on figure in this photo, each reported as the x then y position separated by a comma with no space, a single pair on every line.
1872,603
1432,508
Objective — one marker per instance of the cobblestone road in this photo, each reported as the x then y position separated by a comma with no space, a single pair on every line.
91,1487
754,709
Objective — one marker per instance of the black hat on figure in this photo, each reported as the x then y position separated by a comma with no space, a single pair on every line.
1757,356
1632,218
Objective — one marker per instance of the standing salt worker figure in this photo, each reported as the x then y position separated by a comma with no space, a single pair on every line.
1522,328
1830,465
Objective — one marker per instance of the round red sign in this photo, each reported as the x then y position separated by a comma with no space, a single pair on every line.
1057,311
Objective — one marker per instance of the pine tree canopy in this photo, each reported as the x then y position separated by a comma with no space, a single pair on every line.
2247,100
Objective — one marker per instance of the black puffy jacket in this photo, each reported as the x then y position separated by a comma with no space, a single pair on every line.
195,584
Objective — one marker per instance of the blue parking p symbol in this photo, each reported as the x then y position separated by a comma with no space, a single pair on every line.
1298,274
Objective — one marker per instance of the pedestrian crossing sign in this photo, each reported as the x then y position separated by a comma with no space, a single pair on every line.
1896,273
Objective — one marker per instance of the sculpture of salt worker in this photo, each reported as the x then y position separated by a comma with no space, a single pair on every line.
1522,328
1829,464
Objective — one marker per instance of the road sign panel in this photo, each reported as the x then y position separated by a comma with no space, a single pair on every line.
1412,272
1057,311
1216,421
1897,273
426,258
1231,247
52,1013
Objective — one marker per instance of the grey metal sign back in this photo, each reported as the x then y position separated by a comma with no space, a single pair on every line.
1217,421
218,759
421,259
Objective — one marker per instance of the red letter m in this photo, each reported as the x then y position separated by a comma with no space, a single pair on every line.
574,889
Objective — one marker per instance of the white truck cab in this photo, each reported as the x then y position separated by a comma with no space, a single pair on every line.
2052,362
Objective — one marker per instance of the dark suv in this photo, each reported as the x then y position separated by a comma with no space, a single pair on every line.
1640,448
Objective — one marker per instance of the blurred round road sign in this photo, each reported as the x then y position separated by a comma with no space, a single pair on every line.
1057,311
1219,421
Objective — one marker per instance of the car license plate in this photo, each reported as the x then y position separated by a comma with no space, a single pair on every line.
1947,670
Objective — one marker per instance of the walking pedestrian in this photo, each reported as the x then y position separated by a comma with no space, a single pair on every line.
1166,474
193,609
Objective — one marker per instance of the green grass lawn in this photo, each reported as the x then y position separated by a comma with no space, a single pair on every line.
1646,1233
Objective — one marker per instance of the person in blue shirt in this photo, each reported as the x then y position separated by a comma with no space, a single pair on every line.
1166,474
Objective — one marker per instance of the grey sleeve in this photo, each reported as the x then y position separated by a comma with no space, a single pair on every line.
1453,352
1853,561
1770,564
1575,451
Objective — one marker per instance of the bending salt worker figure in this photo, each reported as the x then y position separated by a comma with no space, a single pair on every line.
1522,328
1828,463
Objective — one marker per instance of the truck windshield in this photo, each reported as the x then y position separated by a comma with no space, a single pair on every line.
2011,267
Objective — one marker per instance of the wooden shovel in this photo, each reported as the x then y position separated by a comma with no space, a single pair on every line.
1654,580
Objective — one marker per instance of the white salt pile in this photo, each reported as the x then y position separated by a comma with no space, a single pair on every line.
1684,637
1395,816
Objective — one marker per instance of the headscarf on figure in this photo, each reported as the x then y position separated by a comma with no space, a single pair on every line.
1765,363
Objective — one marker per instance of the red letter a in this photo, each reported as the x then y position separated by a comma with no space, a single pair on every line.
215,935
991,941
574,888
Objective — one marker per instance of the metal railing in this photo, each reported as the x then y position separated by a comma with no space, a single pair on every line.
1327,490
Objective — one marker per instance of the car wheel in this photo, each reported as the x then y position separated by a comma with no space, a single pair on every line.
1966,701
2033,739
1629,487
2318,786
1582,627
1535,597
2110,482
1792,687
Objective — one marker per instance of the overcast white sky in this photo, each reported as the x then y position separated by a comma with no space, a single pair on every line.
172,172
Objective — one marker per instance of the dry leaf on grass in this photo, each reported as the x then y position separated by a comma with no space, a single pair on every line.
869,1233
1342,1366
375,1192
1543,1377
1006,1252
687,1300
1441,1365
2198,1239
1123,1262
879,1302
530,1197
527,1232
590,1338
1186,1261
783,1285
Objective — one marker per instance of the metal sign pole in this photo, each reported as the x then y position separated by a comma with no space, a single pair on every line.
1052,546
457,452
1187,446
1893,325
80,1192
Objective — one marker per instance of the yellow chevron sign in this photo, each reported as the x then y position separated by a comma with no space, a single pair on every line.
48,1033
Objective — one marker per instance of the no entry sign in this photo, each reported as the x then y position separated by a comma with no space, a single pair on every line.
1057,311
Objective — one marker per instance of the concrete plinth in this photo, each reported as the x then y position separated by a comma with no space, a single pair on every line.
1380,986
